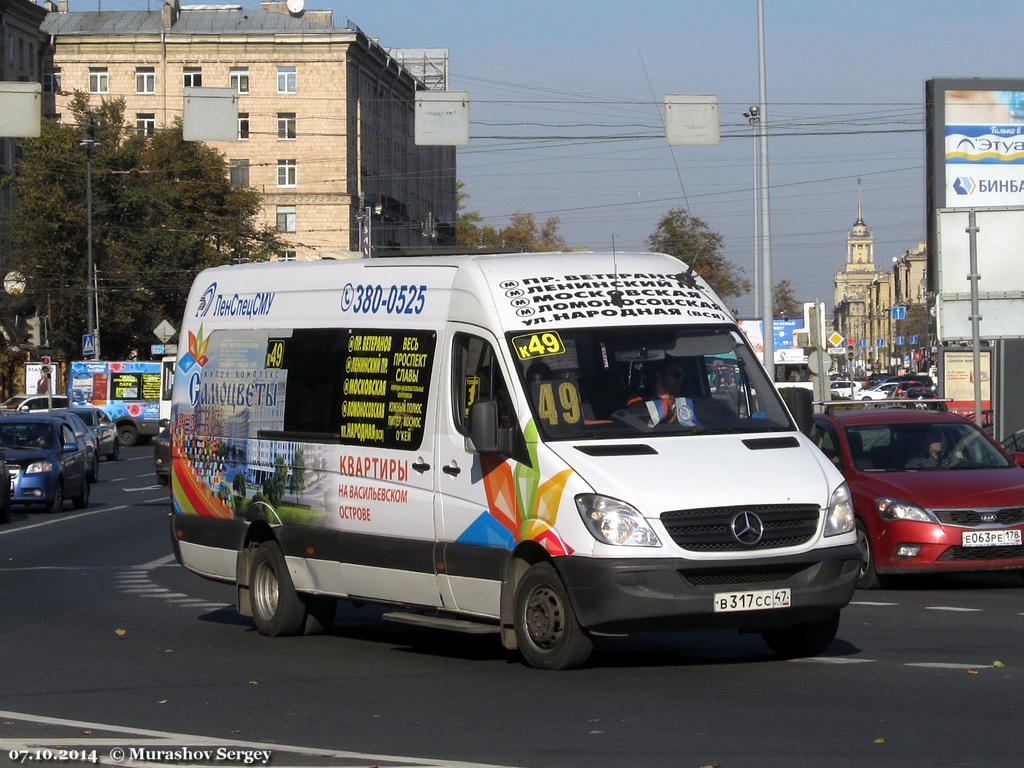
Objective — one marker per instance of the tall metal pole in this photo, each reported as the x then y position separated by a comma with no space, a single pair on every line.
766,240
92,321
753,117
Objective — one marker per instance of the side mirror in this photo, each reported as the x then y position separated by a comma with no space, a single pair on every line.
70,447
485,436
1018,458
800,404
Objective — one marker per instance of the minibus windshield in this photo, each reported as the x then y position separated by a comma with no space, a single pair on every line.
598,383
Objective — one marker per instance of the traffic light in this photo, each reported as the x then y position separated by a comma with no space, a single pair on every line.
850,353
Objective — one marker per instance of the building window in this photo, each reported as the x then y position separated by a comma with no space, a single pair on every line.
286,218
51,81
286,79
99,80
287,173
145,80
286,125
240,79
193,77
239,172
243,126
286,255
145,123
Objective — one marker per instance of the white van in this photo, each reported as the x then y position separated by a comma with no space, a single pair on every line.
476,440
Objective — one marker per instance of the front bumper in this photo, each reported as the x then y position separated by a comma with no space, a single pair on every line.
941,549
613,595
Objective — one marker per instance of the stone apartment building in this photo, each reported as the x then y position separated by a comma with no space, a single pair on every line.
325,114
22,47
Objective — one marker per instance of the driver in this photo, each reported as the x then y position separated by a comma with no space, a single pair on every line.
935,454
666,403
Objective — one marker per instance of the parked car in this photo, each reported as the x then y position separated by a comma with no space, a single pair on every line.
45,461
920,393
931,491
85,435
105,429
31,403
162,456
844,388
5,492
882,391
917,379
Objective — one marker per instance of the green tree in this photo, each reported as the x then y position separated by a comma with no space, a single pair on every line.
163,209
297,479
784,303
690,240
522,234
274,486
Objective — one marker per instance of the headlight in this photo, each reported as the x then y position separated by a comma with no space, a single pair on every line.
37,467
840,512
894,509
611,521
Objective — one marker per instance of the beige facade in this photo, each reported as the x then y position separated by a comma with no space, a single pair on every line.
325,114
865,300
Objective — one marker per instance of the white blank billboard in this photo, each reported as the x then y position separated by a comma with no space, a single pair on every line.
1001,279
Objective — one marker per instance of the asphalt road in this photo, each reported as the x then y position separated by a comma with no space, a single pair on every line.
106,644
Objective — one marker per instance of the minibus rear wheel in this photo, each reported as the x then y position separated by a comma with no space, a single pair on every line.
276,607
547,632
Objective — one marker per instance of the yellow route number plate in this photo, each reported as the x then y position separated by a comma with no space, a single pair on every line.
534,345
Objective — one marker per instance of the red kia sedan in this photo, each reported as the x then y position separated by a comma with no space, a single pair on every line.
931,491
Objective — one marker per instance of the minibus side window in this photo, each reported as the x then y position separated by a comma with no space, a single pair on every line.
476,375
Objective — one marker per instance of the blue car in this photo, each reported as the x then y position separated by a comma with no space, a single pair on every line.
47,463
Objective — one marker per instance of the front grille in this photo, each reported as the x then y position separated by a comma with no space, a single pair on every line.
710,529
981,554
737,578
972,517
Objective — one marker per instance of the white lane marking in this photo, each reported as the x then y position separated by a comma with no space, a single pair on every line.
947,665
165,739
832,660
62,518
952,608
871,602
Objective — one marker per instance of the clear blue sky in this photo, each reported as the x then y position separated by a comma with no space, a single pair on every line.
566,112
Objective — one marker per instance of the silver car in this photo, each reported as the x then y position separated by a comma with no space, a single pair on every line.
106,431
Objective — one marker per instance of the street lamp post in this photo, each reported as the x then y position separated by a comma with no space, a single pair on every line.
88,142
765,234
753,116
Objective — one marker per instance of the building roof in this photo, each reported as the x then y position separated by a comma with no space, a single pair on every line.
194,20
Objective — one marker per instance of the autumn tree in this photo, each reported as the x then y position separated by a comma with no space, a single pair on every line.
522,234
163,209
784,303
690,240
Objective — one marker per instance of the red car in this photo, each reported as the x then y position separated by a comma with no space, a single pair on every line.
931,491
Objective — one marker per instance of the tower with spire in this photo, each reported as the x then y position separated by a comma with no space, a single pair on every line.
856,275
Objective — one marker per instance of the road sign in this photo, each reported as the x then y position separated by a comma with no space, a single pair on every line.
835,339
88,345
899,313
165,331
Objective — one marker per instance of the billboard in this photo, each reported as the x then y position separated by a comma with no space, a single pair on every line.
975,167
975,145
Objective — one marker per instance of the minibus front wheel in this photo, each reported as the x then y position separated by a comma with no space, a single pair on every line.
547,632
276,607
